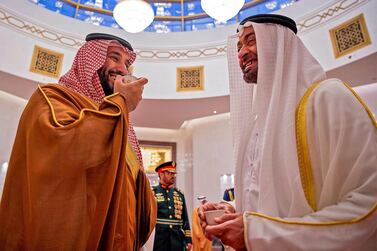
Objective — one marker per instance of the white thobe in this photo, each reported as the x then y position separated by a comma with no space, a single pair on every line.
316,195
342,139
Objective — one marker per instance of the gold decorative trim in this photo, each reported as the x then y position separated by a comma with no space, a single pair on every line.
366,107
314,224
303,154
132,161
305,167
372,210
190,78
350,36
83,111
46,62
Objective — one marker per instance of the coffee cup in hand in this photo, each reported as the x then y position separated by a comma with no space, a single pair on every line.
129,78
212,214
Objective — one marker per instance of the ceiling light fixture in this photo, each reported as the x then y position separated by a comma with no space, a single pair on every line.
133,15
222,10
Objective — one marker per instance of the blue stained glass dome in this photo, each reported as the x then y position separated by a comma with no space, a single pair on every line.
170,16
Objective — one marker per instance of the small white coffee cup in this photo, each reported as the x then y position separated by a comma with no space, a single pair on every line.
212,214
129,78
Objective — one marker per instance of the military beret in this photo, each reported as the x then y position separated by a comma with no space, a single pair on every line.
167,166
95,36
272,18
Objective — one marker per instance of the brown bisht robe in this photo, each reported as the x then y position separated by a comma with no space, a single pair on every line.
68,186
199,240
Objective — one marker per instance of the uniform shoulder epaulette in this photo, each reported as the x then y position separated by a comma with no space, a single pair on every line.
178,190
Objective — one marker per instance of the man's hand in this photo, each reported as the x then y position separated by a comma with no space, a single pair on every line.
230,230
131,91
188,246
229,209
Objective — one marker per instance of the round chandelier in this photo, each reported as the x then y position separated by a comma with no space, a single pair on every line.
133,15
222,10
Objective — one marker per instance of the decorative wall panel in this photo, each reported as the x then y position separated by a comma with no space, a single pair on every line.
350,36
46,62
190,78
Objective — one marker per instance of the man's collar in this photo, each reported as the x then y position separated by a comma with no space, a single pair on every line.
165,186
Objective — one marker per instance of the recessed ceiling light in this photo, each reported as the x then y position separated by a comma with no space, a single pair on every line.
133,15
222,10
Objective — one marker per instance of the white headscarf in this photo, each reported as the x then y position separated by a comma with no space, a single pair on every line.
285,70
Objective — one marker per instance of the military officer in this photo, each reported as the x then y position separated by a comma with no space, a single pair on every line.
172,227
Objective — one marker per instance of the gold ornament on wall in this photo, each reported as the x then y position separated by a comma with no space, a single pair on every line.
155,153
350,36
190,78
46,62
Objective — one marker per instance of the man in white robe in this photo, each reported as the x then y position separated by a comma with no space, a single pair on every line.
305,149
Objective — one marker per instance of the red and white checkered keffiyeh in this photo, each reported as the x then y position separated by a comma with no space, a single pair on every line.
83,77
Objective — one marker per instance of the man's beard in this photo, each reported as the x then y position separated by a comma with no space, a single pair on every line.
251,76
104,82
170,182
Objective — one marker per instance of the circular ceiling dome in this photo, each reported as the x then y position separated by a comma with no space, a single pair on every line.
170,15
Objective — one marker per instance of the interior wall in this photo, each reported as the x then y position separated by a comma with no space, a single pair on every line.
11,108
212,155
24,25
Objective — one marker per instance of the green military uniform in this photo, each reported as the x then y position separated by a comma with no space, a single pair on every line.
172,226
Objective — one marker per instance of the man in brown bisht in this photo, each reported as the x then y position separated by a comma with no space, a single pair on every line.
75,179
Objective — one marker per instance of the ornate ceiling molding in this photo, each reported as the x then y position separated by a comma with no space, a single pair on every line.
21,24
308,22
327,13
192,53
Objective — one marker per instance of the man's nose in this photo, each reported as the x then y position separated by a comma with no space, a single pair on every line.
122,68
242,53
